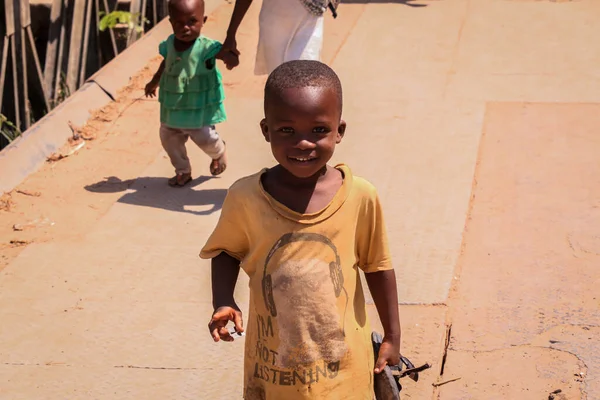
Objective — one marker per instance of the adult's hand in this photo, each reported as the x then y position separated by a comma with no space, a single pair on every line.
230,44
239,11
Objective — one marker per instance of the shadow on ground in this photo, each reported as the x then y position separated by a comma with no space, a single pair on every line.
410,3
154,192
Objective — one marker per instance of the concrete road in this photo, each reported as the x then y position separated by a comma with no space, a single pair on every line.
477,122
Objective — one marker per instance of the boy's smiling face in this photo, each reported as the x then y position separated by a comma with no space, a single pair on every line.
303,126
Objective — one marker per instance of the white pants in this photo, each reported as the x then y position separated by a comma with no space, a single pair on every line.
174,139
287,31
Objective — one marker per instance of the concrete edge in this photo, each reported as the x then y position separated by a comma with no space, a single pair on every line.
28,153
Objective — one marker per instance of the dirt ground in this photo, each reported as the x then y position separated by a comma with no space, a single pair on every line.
481,138
53,204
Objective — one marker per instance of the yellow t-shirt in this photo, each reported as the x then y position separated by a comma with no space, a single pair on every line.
308,335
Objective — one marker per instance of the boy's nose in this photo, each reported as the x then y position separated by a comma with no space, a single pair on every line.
305,145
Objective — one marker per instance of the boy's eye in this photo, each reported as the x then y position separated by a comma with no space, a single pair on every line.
321,129
286,130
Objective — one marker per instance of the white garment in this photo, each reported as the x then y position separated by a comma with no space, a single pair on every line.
287,31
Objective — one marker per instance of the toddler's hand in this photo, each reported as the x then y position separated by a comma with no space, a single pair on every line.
389,354
150,89
218,323
230,59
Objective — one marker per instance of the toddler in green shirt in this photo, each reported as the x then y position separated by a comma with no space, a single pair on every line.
191,90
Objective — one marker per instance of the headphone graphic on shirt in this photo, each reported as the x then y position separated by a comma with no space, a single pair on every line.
335,267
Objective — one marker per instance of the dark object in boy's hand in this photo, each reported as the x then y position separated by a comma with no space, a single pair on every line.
333,8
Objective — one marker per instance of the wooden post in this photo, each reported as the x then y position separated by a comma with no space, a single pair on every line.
54,36
5,46
61,49
24,97
75,46
110,31
154,14
15,75
9,11
38,68
30,54
135,9
86,38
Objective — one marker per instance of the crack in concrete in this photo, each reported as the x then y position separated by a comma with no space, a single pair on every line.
531,345
584,377
517,346
53,364
446,346
157,368
48,364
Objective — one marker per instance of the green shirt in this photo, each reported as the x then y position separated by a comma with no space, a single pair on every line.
191,90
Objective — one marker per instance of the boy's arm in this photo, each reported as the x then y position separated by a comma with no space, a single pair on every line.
382,285
224,273
150,89
239,11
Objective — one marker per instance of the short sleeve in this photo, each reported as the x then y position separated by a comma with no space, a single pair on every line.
211,50
372,242
163,48
230,234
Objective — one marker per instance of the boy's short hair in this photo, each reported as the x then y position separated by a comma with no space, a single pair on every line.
301,74
173,4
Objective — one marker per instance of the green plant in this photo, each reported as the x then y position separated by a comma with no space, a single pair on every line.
8,129
133,21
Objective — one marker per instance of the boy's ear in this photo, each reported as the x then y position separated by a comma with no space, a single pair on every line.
341,131
265,129
204,20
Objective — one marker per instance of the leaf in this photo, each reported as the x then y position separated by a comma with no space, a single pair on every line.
112,19
124,17
104,22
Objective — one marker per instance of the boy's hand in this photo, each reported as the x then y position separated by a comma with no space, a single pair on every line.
150,89
218,323
389,354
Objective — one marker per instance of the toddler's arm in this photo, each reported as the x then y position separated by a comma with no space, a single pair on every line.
382,285
150,89
224,273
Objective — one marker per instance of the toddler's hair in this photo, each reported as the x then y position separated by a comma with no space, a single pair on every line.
301,74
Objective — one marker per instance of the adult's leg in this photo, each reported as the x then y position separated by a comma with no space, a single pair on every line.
279,23
307,42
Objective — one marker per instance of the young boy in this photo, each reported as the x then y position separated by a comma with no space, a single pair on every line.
302,230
